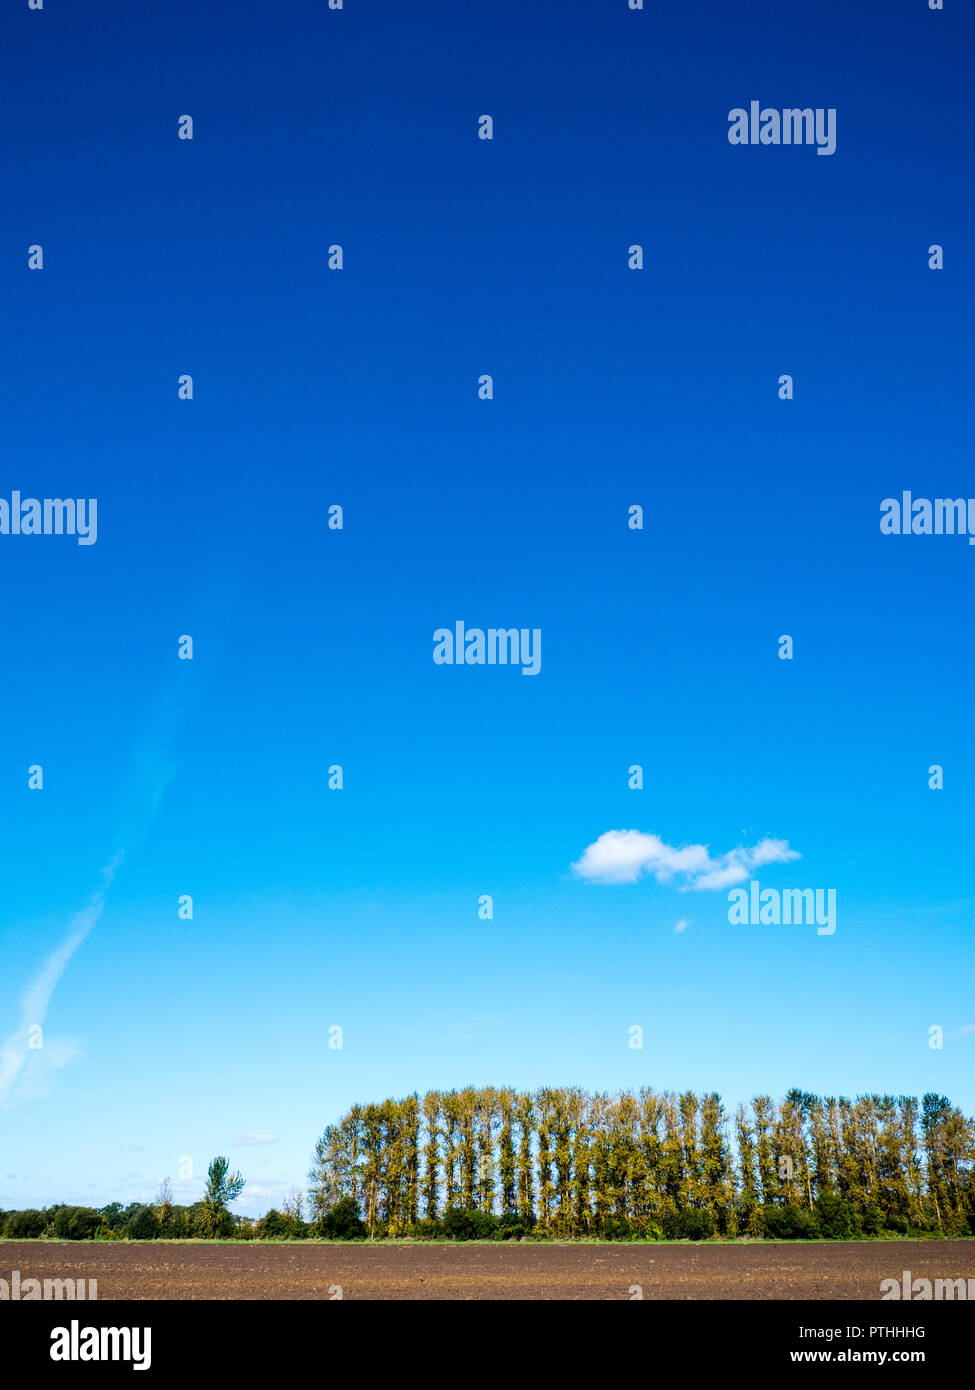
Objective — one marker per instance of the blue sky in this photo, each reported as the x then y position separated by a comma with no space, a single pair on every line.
167,1038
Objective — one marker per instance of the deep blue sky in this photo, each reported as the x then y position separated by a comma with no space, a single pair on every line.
166,1038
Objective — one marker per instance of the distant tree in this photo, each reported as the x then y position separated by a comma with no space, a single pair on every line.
112,1215
506,1148
468,1106
764,1153
143,1225
223,1187
790,1223
469,1223
343,1222
76,1223
431,1153
294,1215
525,1115
715,1162
29,1224
410,1121
546,1188
691,1224
834,1216
450,1103
164,1208
487,1135
273,1225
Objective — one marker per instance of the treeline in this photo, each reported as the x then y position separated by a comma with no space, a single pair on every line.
560,1163
208,1219
495,1163
160,1220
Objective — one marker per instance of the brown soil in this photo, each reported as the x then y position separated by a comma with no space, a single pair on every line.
489,1271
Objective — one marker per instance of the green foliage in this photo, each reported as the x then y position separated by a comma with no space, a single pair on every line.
223,1187
143,1225
512,1226
467,1223
25,1225
835,1217
76,1223
690,1224
790,1223
618,1228
273,1225
112,1216
429,1229
343,1221
872,1220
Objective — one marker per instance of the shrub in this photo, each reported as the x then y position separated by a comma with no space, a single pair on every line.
430,1229
144,1225
343,1221
512,1226
953,1224
871,1221
693,1224
76,1223
617,1228
25,1225
273,1225
898,1224
460,1223
789,1223
835,1217
112,1215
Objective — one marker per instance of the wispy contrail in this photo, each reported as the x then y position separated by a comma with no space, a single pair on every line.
37,995
153,769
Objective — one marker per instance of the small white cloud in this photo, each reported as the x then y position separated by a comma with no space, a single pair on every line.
963,1032
624,856
247,1138
682,925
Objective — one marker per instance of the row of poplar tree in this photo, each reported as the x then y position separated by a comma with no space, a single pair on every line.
568,1163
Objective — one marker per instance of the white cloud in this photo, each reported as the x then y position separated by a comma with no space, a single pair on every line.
682,925
623,856
247,1138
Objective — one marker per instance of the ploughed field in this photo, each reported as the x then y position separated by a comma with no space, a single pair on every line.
492,1270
